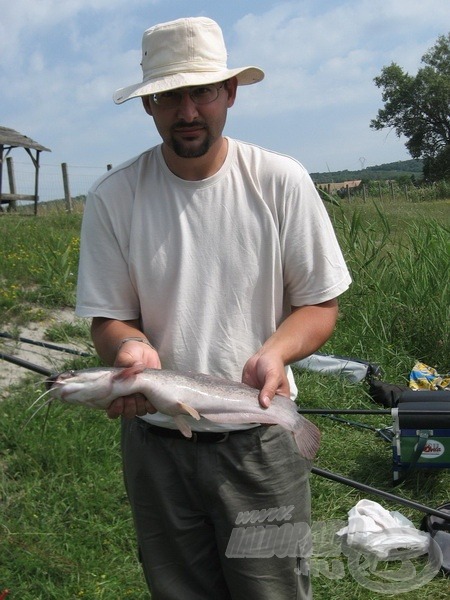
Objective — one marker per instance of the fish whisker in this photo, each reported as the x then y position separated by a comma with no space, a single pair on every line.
47,403
39,398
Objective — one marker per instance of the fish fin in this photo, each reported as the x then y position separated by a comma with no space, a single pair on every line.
307,438
183,426
128,372
188,410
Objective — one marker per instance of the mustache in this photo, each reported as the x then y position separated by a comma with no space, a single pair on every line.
186,126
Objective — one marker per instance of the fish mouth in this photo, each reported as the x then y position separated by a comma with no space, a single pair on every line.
51,380
58,379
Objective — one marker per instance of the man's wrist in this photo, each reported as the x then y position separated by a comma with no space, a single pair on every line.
143,340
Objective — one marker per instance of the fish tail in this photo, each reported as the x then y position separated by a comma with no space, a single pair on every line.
307,438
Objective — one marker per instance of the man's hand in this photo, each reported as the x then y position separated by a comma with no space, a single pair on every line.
131,353
299,335
267,373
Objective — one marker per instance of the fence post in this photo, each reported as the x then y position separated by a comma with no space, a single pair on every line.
379,190
67,195
406,193
364,193
12,182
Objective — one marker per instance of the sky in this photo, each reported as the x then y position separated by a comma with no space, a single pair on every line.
61,61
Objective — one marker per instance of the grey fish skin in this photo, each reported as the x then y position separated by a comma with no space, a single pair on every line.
177,393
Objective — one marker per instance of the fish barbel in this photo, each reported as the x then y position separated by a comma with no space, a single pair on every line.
177,394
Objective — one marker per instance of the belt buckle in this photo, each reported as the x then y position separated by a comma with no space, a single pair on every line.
226,435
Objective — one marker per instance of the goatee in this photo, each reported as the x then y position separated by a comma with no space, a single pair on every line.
184,149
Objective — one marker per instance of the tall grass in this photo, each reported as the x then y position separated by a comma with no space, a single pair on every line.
39,262
398,304
65,526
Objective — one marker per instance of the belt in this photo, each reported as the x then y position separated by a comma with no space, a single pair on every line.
210,437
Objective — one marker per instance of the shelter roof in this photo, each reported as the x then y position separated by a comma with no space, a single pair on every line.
10,137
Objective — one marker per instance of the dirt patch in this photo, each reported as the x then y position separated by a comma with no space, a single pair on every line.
42,357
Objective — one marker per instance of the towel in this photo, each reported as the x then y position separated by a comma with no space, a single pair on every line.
371,528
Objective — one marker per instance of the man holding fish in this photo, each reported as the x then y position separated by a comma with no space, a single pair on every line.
208,255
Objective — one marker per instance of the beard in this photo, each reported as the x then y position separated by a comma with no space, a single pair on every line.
184,149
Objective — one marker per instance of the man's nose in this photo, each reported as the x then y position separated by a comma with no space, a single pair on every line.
187,110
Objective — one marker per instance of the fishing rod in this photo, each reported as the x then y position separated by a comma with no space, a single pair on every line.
24,363
47,345
387,495
384,432
363,411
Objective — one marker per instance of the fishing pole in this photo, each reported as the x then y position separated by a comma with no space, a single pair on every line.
24,363
387,495
384,432
363,411
47,345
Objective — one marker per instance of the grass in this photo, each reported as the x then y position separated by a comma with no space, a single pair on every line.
66,530
39,258
398,307
65,525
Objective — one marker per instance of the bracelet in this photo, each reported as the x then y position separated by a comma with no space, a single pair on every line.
133,339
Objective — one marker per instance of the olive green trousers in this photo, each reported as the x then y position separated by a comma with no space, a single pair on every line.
220,521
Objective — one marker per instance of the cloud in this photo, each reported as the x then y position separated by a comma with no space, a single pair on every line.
59,62
326,60
62,60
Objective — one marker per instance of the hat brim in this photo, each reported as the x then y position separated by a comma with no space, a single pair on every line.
245,76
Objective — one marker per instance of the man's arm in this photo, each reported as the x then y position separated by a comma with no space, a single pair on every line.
303,332
108,336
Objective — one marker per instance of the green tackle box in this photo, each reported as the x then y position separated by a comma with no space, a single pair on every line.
421,441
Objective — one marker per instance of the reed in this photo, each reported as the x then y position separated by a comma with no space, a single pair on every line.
398,304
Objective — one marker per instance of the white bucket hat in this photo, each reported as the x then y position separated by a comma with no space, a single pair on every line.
183,53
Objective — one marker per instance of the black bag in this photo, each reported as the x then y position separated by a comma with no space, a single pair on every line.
439,529
386,394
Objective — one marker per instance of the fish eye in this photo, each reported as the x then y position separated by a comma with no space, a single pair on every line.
67,375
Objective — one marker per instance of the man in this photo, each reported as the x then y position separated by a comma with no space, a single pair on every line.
210,255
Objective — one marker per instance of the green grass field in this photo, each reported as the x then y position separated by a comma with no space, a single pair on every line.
65,525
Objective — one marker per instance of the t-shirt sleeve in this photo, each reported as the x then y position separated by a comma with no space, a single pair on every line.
104,285
314,267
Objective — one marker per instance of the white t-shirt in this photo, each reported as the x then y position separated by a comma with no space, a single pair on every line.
210,267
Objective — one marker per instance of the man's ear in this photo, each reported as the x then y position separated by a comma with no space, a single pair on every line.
231,88
147,105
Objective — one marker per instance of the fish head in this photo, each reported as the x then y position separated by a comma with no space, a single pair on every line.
89,386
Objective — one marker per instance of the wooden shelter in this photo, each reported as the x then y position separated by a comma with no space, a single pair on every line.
10,139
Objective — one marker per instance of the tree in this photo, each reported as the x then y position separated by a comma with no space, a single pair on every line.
419,108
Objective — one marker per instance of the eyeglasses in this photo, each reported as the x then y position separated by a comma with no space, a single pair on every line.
203,94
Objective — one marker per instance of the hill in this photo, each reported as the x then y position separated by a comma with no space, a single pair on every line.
404,168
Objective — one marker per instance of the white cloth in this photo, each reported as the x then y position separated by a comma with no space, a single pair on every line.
373,529
210,267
